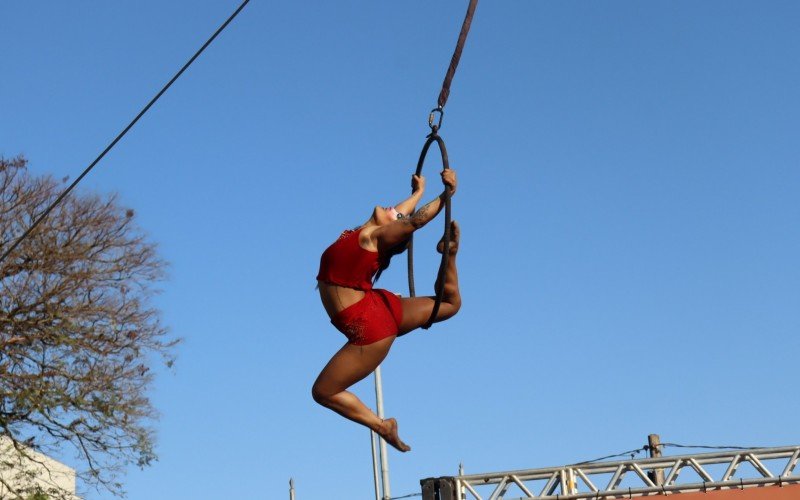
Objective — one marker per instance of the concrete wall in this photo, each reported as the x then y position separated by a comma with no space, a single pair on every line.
33,469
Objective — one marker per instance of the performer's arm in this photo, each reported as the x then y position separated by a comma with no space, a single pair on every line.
408,205
400,230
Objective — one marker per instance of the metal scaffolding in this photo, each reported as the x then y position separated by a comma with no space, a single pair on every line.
626,479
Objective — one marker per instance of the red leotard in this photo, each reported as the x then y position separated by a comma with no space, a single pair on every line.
376,316
345,263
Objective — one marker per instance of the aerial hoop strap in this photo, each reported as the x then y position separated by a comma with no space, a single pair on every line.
436,124
462,39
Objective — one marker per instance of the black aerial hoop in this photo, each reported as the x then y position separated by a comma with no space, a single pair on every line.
435,125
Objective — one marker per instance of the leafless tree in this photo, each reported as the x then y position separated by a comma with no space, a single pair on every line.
78,332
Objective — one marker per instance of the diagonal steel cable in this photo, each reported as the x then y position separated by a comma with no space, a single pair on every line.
121,134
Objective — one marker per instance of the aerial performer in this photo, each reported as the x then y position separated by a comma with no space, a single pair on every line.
373,318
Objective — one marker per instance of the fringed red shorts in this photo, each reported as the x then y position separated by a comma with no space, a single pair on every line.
373,318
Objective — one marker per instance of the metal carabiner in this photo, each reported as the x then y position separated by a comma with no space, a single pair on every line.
431,118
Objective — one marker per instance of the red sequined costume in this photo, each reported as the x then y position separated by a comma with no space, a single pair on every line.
376,316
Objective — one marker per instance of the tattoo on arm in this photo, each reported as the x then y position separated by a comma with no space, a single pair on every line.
423,215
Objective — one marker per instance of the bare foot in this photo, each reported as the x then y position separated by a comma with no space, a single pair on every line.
388,432
455,236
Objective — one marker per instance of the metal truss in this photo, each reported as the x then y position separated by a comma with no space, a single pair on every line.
626,479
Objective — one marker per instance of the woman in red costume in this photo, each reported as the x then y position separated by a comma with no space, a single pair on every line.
371,318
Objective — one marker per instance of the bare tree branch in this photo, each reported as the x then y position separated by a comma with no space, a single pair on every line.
78,334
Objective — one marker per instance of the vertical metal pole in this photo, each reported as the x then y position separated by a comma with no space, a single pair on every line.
291,489
387,491
459,489
375,477
654,445
572,483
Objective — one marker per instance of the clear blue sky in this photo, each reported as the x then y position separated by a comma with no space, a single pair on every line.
629,201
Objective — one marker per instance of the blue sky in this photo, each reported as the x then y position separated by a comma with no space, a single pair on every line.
629,178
